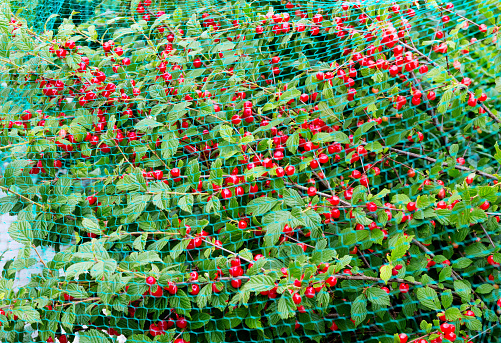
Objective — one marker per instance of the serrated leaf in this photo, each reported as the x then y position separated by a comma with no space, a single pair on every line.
21,232
428,298
260,206
259,283
359,309
336,136
452,314
186,203
226,133
446,298
377,296
484,289
93,336
385,272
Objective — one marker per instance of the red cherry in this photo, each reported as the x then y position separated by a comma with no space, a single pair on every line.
197,63
310,292
446,327
334,327
158,175
403,338
156,293
296,298
226,193
215,289
236,283
92,200
172,288
411,206
194,289
372,207
334,200
450,336
181,323
290,170
312,191
490,260
150,280
469,313
331,281
404,288
485,205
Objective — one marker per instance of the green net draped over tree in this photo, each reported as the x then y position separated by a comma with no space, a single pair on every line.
268,171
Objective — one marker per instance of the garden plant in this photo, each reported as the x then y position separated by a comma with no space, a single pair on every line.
224,171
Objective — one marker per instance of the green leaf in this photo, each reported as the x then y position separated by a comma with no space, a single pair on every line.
216,173
446,298
194,172
461,263
484,288
423,201
497,155
359,309
68,318
286,307
7,203
428,298
260,206
259,283
473,324
374,146
293,142
21,232
445,273
377,296
453,150
452,314
445,101
292,198
147,124
463,288
169,146
27,314
78,268
204,295
385,272
336,136
92,226
93,336
226,133
179,248
186,203
363,129
63,185
396,137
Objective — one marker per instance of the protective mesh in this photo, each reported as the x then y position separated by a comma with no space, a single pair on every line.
210,171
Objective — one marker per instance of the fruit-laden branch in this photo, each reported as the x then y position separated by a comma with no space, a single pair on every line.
432,160
495,118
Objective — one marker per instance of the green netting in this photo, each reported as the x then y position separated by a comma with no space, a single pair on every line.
231,171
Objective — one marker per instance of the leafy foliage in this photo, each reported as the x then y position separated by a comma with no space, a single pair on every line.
280,172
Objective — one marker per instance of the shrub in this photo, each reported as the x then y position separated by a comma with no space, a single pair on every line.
243,173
